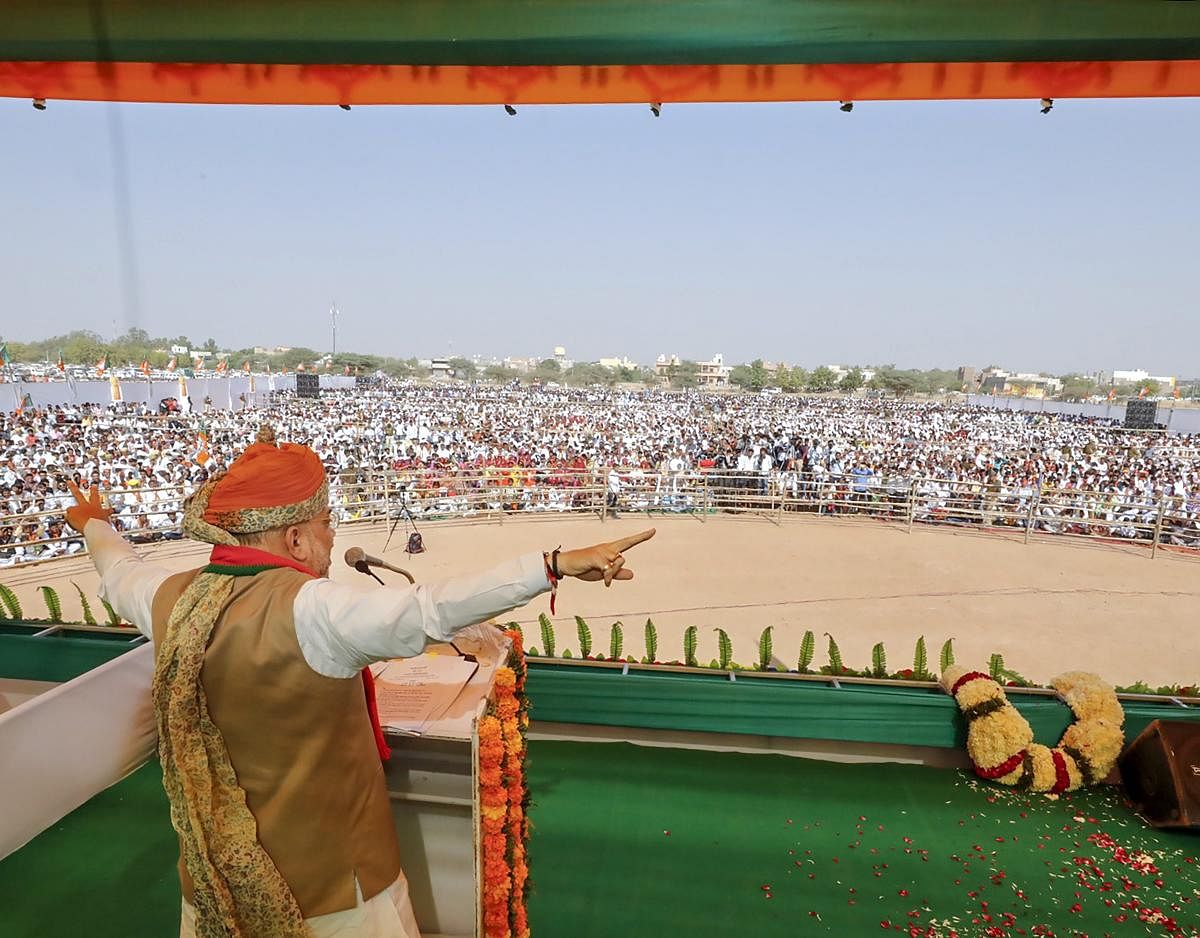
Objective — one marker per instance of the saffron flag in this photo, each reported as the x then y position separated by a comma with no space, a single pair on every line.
1112,394
1142,393
1176,394
145,369
173,363
198,363
5,358
346,370
62,365
299,367
102,364
246,366
222,365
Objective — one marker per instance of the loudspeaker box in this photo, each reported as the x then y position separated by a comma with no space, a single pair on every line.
1161,773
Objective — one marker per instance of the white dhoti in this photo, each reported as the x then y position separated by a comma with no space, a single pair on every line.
387,915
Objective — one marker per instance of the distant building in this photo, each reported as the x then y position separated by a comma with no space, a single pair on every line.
440,369
714,373
1023,384
1138,376
612,364
522,365
840,371
968,378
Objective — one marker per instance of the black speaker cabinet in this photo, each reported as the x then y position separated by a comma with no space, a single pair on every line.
307,385
1161,773
1141,415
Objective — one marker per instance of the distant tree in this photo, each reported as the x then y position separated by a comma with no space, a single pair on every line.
685,374
1077,387
83,348
790,379
463,368
210,345
400,367
501,373
851,381
822,379
938,379
740,376
630,375
899,383
1150,386
583,374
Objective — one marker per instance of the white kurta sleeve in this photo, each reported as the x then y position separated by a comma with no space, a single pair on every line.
343,627
127,581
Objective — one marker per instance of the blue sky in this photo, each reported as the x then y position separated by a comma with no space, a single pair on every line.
924,234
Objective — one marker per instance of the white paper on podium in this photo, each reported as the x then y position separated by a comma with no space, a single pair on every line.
413,692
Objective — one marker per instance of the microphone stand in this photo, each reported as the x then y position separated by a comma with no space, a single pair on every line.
362,567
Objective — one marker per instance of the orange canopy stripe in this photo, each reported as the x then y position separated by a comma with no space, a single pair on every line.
224,83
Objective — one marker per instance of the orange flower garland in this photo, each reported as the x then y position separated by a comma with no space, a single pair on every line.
503,801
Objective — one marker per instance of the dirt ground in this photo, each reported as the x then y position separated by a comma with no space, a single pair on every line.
1048,606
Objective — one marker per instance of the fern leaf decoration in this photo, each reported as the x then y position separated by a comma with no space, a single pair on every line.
11,603
547,634
724,649
651,641
689,646
1008,675
585,636
113,619
996,667
808,647
53,603
88,618
946,659
615,641
878,661
835,656
764,649
921,661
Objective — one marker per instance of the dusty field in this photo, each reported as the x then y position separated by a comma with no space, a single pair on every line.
1046,606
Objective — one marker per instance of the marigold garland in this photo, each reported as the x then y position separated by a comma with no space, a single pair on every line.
504,799
1000,740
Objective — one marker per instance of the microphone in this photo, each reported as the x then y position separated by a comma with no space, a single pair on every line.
361,561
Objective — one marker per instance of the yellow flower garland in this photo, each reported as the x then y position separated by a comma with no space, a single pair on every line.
1000,740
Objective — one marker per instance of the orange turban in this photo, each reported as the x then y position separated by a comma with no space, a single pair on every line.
266,476
268,486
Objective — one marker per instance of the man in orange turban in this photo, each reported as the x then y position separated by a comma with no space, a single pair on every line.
267,734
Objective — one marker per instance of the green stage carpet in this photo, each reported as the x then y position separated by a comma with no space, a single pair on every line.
657,843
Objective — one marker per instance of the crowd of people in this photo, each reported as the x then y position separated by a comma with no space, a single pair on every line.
457,449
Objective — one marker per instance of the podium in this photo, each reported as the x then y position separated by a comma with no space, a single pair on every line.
459,887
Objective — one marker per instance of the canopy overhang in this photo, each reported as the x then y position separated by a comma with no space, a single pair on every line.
595,51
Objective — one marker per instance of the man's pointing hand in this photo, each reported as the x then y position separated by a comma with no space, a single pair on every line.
603,561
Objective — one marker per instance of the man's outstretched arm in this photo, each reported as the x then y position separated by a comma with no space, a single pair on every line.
342,628
127,582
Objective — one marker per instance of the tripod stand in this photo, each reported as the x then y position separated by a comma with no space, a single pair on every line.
416,544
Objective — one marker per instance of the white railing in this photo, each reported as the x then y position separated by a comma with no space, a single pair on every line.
387,496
